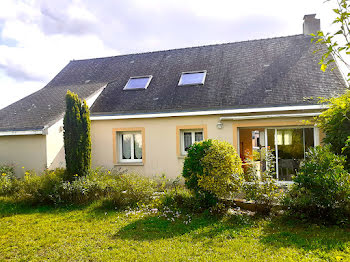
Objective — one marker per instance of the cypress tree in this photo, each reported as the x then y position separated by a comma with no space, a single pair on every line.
85,138
77,141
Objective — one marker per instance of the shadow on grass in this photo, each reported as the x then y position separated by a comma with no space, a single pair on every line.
201,226
9,207
283,233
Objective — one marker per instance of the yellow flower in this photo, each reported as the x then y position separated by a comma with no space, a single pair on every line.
3,174
23,167
109,172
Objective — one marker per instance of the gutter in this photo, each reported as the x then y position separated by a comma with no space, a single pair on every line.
210,112
43,131
268,116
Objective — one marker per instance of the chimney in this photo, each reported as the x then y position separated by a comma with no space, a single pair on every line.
311,24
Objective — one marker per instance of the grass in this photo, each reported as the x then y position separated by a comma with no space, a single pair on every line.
92,233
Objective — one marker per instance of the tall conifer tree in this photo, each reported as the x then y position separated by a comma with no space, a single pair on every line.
77,141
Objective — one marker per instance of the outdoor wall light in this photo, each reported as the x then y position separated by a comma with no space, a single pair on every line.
219,125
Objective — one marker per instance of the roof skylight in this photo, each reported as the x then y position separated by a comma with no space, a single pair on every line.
192,78
138,82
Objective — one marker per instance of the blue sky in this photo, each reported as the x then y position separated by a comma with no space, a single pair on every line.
39,37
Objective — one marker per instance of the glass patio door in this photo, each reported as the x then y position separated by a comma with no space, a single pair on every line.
289,146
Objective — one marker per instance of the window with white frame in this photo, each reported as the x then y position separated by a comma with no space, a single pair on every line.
138,82
130,146
189,137
192,78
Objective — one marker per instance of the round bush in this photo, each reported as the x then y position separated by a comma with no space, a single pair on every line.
321,188
213,170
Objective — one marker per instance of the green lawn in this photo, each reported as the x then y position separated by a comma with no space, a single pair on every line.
92,234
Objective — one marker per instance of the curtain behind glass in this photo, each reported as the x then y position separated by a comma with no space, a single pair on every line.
198,136
137,146
187,140
126,146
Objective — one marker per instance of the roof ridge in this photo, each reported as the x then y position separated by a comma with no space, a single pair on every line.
190,47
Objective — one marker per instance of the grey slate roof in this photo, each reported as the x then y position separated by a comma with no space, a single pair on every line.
42,108
269,72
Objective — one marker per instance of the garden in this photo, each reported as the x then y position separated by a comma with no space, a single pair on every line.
79,213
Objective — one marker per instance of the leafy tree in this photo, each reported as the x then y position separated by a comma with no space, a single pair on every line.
338,43
77,141
335,123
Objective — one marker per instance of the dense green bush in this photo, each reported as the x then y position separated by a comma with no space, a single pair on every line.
8,180
321,188
335,123
213,170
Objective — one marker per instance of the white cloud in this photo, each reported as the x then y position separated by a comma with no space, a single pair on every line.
37,57
12,90
46,35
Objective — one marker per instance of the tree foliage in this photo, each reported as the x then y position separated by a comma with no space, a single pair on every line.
338,43
77,141
335,123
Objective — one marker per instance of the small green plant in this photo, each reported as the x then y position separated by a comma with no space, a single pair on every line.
8,181
261,187
130,190
321,188
212,170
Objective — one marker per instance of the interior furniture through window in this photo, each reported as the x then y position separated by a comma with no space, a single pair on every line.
288,145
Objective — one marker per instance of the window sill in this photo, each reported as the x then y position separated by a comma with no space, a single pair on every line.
129,164
181,157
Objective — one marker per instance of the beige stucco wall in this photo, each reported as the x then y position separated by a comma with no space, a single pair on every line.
28,151
160,140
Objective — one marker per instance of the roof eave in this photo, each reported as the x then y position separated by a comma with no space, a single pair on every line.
112,116
24,132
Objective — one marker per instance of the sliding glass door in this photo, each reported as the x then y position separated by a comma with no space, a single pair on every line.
288,145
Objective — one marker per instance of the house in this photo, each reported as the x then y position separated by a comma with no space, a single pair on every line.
148,108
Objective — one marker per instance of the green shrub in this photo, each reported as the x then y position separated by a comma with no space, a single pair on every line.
321,188
8,181
120,190
213,170
40,189
335,123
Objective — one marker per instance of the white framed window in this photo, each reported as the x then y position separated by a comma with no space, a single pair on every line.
130,147
189,137
138,82
192,78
